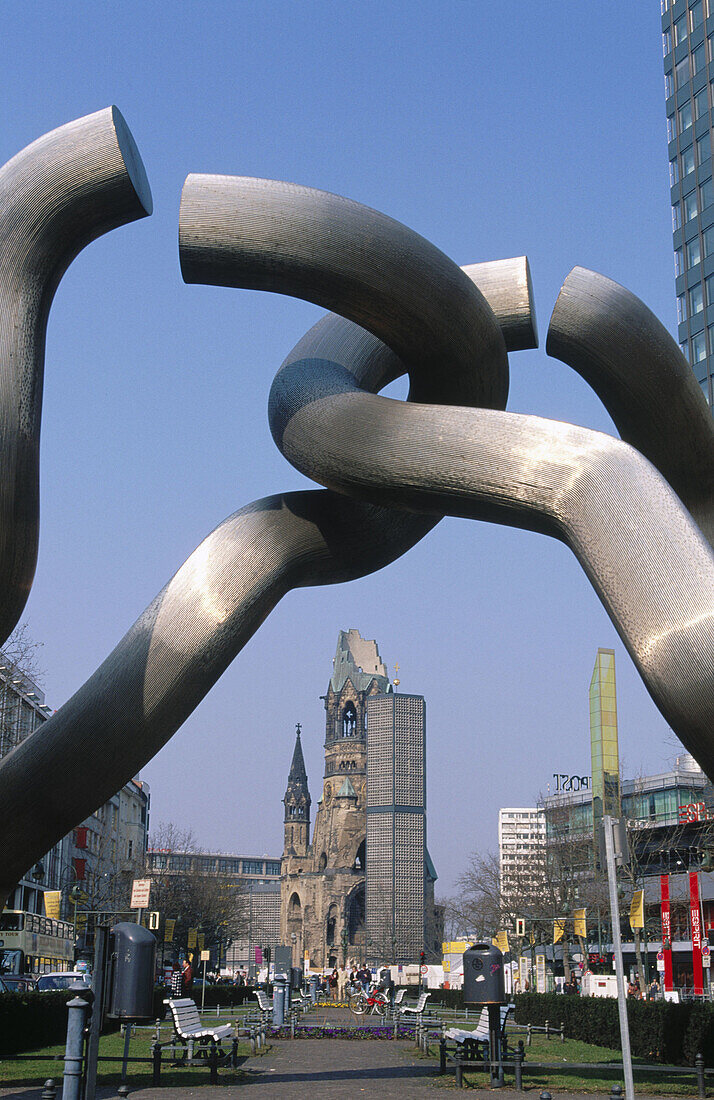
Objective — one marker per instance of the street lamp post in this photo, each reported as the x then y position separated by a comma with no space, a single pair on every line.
344,938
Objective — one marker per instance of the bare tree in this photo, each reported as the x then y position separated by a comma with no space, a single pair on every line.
183,890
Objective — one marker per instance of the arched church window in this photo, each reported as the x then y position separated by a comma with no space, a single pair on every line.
349,720
323,862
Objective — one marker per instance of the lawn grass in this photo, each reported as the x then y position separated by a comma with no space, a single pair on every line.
139,1075
596,1080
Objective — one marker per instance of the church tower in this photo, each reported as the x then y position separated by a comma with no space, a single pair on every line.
297,804
323,882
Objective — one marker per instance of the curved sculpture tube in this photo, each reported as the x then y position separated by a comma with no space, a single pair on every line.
268,235
194,628
616,343
63,191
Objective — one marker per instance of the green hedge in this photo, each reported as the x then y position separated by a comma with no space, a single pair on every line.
215,995
450,998
659,1031
31,1020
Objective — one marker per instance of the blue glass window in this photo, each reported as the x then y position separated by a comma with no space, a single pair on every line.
687,160
678,262
696,299
684,117
698,59
696,15
666,43
699,348
693,252
691,209
681,309
704,148
680,30
709,283
707,193
701,103
708,235
673,172
676,216
681,71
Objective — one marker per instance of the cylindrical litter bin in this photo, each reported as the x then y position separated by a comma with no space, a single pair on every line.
484,981
280,987
314,986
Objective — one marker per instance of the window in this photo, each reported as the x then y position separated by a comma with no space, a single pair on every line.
689,204
664,6
676,216
710,47
681,309
704,148
666,43
698,59
696,15
693,252
668,85
681,71
705,389
706,193
670,128
709,241
699,348
680,30
684,117
684,350
688,160
673,172
709,284
696,299
701,103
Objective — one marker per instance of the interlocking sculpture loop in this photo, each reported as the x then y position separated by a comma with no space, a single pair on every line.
391,469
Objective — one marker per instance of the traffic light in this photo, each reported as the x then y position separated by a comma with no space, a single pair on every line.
422,957
520,926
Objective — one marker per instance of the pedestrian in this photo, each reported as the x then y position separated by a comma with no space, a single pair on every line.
176,981
333,981
186,977
653,990
341,984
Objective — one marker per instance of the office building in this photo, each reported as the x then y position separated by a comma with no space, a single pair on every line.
688,46
396,869
521,837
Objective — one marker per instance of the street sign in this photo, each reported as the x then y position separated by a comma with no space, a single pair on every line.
205,956
153,921
706,955
425,969
140,890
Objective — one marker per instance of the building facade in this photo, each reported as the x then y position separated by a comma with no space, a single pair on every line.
396,866
688,47
323,888
521,836
99,857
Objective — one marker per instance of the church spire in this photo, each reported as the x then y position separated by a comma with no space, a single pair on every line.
297,803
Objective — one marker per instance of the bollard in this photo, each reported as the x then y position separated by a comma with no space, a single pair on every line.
518,1067
157,1033
442,1054
292,1025
77,1011
252,1041
156,1066
545,1095
459,1073
562,1032
234,1052
49,1090
616,1091
279,1000
529,1033
213,1063
547,1029
123,1090
701,1082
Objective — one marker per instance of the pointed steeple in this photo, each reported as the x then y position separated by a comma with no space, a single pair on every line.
297,772
297,802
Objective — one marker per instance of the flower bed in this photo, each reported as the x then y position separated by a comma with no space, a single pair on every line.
377,1031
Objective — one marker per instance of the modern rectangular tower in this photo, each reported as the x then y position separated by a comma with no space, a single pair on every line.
604,748
396,828
688,46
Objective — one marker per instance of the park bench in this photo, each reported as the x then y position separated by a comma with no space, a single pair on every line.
471,1046
417,1009
264,1004
189,1029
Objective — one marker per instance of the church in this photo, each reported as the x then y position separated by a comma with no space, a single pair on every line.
324,879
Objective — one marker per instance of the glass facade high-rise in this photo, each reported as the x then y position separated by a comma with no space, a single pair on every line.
396,856
688,46
604,752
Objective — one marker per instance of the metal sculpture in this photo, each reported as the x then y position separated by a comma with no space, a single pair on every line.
392,470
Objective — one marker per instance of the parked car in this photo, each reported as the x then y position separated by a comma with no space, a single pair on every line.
18,983
60,980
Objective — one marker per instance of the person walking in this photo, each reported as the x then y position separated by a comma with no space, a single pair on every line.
186,977
333,981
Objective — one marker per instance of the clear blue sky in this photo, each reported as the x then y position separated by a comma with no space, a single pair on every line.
492,129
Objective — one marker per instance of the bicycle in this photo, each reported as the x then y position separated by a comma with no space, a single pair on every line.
364,1004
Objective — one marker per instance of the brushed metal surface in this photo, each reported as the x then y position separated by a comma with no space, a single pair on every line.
616,343
194,628
63,191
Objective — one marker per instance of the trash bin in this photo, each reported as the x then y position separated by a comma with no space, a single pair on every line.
130,986
484,981
314,985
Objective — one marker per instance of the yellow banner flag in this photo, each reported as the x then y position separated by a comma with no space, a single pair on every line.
637,910
580,928
52,903
501,941
558,930
201,941
169,926
192,934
